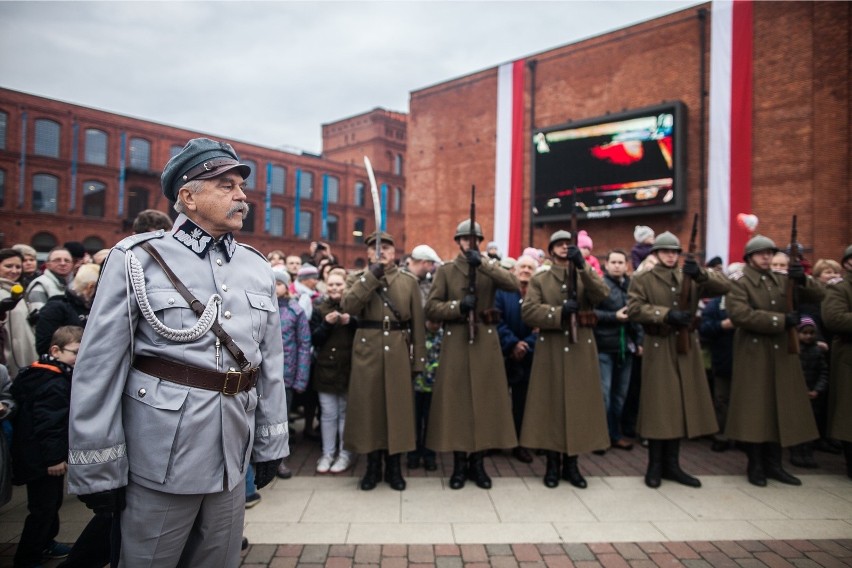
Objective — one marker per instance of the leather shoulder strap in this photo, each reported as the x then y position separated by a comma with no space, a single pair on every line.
197,307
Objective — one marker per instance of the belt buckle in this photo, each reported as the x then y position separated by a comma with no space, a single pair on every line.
228,377
386,325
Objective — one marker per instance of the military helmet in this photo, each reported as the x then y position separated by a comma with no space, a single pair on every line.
666,241
846,254
559,235
758,243
463,229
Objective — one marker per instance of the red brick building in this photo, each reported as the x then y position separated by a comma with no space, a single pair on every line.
800,124
69,172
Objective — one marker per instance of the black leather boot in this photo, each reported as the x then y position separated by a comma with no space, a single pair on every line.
571,473
374,471
458,477
654,475
772,465
671,465
393,472
476,470
754,470
847,453
551,473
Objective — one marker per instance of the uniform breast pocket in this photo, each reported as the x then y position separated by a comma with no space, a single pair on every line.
171,309
260,307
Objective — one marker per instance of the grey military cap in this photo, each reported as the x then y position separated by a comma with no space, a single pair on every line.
201,158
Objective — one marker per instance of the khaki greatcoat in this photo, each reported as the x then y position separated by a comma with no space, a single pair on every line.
675,398
565,410
471,410
837,317
380,410
769,399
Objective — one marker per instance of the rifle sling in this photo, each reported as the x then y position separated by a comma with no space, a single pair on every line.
197,307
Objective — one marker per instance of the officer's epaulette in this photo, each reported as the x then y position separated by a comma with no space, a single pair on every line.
254,250
835,280
133,240
736,275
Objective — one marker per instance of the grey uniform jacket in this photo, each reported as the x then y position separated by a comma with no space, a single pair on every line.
163,435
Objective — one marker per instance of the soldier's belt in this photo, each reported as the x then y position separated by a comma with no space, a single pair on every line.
228,383
386,325
663,330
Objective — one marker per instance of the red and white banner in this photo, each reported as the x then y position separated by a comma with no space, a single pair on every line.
509,162
729,178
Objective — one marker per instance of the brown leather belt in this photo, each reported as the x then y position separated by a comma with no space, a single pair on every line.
386,325
228,383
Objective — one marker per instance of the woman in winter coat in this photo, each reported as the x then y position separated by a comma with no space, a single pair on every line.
19,349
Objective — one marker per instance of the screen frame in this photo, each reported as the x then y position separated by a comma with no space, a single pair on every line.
676,205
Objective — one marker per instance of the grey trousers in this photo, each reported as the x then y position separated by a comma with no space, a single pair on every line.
164,530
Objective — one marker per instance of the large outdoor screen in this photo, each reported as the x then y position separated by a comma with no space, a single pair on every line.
629,163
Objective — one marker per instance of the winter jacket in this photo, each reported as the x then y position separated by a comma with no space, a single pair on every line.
67,309
719,341
296,338
512,330
332,363
814,367
611,335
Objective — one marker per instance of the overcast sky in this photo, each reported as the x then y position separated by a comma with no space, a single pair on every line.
271,73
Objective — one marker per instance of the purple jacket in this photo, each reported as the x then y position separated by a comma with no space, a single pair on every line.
296,337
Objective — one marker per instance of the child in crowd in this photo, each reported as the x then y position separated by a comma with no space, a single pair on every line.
296,337
40,444
423,384
332,334
815,369
644,237
584,243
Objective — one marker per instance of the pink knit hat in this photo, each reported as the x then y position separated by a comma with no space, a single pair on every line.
584,241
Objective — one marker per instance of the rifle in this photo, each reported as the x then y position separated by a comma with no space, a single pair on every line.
791,300
685,291
571,290
471,271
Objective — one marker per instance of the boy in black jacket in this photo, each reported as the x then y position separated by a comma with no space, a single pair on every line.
40,444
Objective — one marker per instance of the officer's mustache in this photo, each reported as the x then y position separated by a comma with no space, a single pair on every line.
241,207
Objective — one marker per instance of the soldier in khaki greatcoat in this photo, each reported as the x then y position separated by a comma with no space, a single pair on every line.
389,347
769,401
675,399
564,414
471,411
837,317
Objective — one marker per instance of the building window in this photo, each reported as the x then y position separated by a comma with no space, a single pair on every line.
248,220
306,185
137,201
47,138
174,150
359,193
43,242
93,244
397,199
2,188
397,165
140,154
276,221
278,179
333,189
94,199
96,147
331,224
3,120
358,232
306,225
252,179
45,189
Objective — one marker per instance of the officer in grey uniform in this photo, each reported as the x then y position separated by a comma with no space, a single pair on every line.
172,397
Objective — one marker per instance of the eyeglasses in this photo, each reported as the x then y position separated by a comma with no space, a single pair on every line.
74,351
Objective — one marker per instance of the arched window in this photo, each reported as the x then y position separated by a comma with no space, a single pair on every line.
137,201
333,189
94,198
248,220
252,179
45,190
359,193
306,225
276,221
4,119
174,150
332,223
358,231
397,199
140,154
96,147
43,242
278,180
93,244
46,138
397,165
306,185
2,188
